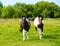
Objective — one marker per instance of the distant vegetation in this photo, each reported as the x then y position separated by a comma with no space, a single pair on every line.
47,9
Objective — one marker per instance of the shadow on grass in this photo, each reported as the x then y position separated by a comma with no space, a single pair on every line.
51,36
45,37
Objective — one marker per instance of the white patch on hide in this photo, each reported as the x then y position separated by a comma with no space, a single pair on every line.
36,22
23,34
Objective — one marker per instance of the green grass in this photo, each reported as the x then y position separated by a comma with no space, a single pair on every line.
11,36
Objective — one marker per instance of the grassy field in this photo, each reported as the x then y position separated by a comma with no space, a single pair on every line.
11,36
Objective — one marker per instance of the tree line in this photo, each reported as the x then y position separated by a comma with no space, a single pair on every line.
47,9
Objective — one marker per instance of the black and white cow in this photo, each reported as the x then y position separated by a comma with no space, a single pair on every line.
38,23
25,26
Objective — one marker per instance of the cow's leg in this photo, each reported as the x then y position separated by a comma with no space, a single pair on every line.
23,34
42,30
40,33
27,35
36,31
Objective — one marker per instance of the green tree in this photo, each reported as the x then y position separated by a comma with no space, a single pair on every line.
1,5
0,11
9,12
29,10
21,7
48,9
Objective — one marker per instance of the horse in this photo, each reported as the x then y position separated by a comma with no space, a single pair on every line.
38,23
25,26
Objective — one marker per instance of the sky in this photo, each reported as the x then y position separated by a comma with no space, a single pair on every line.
12,2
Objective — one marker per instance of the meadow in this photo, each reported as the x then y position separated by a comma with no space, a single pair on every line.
11,36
